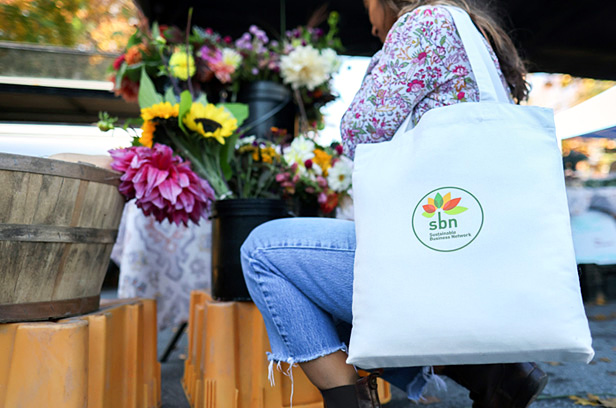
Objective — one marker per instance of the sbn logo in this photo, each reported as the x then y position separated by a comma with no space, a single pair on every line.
445,204
443,224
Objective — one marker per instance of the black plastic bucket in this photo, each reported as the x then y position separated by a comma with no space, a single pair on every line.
270,104
232,221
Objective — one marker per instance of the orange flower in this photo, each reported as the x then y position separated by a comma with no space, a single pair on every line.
133,55
322,159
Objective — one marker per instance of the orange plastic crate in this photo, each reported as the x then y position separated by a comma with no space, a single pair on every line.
106,359
226,366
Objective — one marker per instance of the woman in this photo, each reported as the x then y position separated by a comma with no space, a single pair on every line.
300,271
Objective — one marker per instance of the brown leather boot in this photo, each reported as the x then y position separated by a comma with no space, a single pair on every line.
362,394
499,385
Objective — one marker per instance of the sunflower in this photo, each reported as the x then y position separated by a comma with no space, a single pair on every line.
163,110
210,121
147,134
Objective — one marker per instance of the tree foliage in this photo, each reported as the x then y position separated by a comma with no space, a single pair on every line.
103,25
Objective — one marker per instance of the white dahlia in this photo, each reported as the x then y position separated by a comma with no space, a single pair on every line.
333,62
304,66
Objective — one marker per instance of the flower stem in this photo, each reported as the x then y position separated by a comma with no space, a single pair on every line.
203,167
303,118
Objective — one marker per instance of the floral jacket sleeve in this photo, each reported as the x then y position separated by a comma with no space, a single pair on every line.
422,65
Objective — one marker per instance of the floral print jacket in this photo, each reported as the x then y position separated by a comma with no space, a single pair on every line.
422,65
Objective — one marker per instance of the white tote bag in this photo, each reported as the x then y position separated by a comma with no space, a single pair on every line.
464,249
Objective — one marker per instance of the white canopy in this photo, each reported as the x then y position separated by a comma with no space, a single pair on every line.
595,117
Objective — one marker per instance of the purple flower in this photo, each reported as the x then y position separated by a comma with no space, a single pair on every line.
244,42
258,33
163,184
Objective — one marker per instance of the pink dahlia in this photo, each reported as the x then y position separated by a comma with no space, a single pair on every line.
163,184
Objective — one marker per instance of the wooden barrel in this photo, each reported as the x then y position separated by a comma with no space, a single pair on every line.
58,224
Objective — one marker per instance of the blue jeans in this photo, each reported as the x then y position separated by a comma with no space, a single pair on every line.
299,272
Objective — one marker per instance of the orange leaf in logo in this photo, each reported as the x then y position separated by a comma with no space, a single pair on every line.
429,208
446,198
451,204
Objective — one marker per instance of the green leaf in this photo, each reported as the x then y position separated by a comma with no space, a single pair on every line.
226,154
147,92
135,141
438,200
132,122
428,215
185,104
263,179
443,40
120,75
133,40
170,96
457,210
238,110
155,30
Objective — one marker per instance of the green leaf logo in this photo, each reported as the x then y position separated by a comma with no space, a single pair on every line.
447,204
438,200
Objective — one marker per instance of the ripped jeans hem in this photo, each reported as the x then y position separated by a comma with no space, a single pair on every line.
293,362
275,358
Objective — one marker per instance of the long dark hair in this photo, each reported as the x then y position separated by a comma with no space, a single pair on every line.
511,64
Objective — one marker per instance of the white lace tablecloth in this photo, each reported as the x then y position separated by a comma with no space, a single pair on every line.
162,261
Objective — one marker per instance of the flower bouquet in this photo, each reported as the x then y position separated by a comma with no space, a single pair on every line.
204,61
315,178
203,137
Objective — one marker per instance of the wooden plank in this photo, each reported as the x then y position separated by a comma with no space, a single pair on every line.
50,233
43,310
28,270
83,271
55,201
102,207
60,168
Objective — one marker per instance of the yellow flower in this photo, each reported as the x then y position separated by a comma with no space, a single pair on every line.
247,149
182,65
210,121
147,134
163,110
268,154
323,160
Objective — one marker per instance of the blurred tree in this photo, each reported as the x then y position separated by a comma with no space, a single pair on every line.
103,25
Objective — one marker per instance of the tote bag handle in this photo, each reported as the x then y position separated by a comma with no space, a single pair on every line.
488,81
490,86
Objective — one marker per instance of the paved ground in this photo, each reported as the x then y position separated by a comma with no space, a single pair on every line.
599,377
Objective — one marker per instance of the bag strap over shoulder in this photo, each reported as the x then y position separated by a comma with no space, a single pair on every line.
490,86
